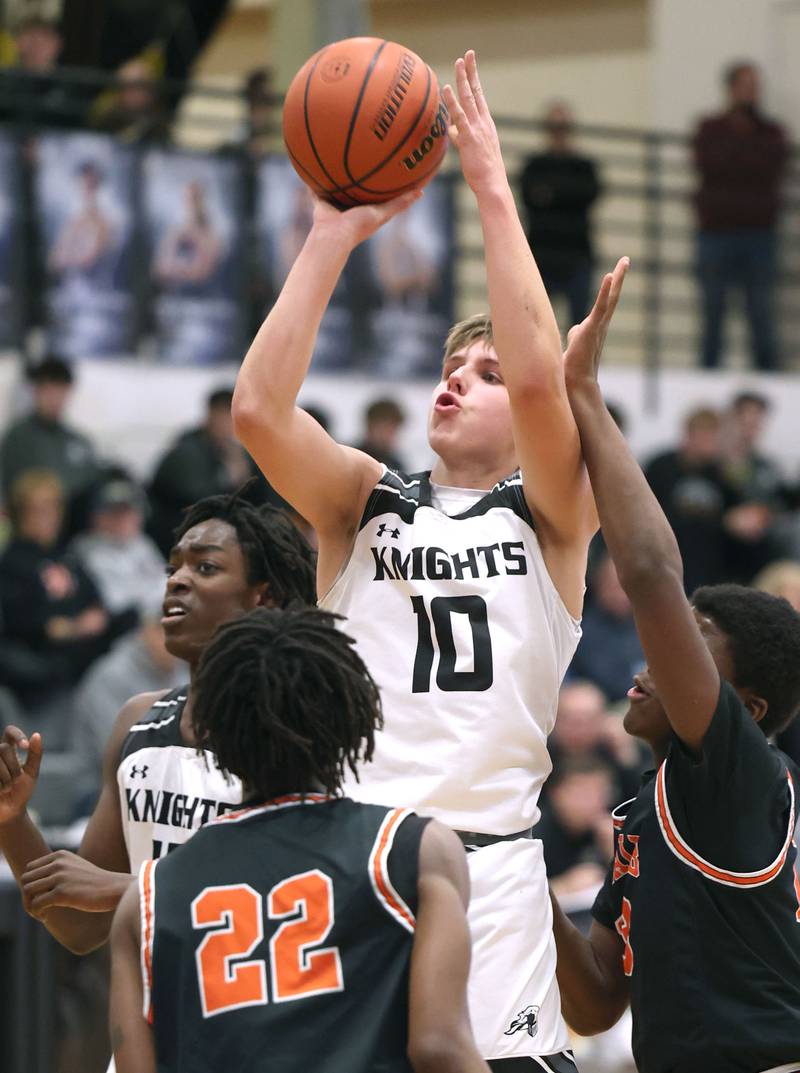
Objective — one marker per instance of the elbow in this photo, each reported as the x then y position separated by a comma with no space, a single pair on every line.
651,571
591,1022
81,945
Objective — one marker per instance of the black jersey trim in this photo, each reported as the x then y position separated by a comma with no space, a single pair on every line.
688,856
402,494
385,891
287,801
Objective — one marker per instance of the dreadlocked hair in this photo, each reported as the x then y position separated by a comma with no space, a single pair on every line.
274,549
285,702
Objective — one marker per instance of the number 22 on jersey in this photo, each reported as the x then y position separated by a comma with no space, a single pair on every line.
299,968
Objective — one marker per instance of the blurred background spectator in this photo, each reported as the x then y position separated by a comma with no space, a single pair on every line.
134,110
558,188
43,441
54,621
203,461
741,157
124,563
609,653
689,484
576,827
30,91
383,422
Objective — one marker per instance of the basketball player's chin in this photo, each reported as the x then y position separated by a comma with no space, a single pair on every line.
645,717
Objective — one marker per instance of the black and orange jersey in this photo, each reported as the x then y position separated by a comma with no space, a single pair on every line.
279,939
704,892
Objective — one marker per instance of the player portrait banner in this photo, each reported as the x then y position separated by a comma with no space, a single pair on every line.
194,221
11,244
284,209
85,203
405,289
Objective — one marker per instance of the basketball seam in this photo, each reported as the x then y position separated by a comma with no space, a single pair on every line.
360,181
328,175
357,108
318,184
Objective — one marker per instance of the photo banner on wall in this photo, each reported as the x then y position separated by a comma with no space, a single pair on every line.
284,209
85,202
404,287
194,220
11,244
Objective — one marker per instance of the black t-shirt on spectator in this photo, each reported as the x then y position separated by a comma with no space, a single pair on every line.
703,892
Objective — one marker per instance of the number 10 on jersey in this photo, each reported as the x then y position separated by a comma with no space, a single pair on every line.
437,620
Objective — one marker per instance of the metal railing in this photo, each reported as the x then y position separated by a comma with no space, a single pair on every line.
645,210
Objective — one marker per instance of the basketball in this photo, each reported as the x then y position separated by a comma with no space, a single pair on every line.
363,121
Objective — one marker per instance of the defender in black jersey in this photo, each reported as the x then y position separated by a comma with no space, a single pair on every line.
157,790
698,923
304,931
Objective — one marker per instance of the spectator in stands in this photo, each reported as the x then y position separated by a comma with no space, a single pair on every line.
42,440
689,485
575,828
558,188
124,563
54,623
741,157
134,111
609,653
203,461
383,420
29,90
259,97
585,728
757,485
138,663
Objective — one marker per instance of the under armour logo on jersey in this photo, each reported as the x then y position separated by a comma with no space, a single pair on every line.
384,528
527,1019
140,771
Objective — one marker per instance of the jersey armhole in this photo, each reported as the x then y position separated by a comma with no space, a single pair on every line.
147,919
383,883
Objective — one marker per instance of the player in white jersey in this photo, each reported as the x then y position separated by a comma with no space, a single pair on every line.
157,788
464,588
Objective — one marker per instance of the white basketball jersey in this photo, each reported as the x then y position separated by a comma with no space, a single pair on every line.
463,630
167,789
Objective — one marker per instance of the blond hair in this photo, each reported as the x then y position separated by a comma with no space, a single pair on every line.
777,577
27,485
475,329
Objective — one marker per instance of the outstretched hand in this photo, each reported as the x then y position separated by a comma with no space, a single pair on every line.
472,129
585,341
357,224
17,780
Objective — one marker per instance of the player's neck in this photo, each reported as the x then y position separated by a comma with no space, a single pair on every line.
468,474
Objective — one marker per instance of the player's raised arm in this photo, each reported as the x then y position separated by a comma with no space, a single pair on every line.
528,345
131,1036
323,480
439,1034
639,537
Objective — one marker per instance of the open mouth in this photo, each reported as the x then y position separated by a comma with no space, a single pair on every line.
172,612
638,691
447,403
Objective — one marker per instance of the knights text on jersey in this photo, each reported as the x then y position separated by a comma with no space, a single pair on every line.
704,893
310,969
167,789
468,639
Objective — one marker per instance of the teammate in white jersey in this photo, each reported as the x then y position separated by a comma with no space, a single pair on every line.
463,588
157,788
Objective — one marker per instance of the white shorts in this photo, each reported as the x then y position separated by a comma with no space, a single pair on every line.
514,1002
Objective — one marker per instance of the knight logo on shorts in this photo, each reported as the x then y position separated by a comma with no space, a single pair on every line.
527,1019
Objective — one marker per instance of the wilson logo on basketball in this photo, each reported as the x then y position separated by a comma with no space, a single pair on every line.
395,97
438,130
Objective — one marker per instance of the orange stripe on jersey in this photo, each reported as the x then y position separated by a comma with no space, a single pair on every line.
147,892
379,871
797,884
720,875
270,806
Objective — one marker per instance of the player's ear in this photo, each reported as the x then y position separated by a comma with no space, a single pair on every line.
757,706
263,595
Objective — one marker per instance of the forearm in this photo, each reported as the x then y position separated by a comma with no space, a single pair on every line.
20,843
587,994
525,330
636,532
277,362
447,1053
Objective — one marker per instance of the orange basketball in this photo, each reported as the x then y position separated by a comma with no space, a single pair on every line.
363,121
